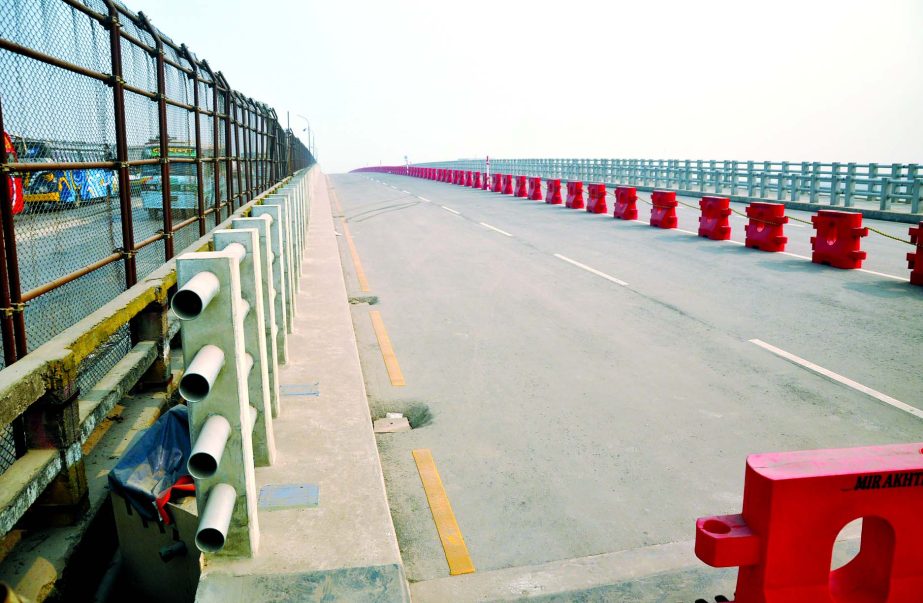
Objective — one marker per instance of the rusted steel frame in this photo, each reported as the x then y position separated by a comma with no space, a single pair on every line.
137,42
148,241
71,277
47,58
183,224
264,148
244,145
215,133
87,10
240,179
176,103
200,176
176,65
248,148
121,146
139,91
164,138
219,79
7,329
15,303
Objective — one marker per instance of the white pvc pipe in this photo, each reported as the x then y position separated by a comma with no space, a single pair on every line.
244,309
209,447
248,365
236,250
189,302
252,418
201,373
216,518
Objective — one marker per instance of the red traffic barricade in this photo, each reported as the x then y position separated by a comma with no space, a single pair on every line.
915,259
713,223
535,189
497,184
521,187
507,184
575,194
469,179
460,177
596,204
838,239
476,182
553,194
795,505
485,181
765,231
626,203
663,209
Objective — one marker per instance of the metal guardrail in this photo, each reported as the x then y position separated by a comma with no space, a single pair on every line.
836,184
127,147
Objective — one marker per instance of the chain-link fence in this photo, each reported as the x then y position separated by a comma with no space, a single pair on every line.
121,148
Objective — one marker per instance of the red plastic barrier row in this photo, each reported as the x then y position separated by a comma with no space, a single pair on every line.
796,503
521,187
663,209
553,196
626,203
596,201
915,259
535,189
575,194
837,240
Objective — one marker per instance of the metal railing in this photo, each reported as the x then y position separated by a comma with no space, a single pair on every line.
834,184
125,148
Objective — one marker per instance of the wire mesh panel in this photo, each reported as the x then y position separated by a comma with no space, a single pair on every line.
121,141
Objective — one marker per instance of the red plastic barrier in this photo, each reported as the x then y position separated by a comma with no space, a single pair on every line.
484,181
626,203
713,223
521,187
469,178
535,189
915,259
575,194
663,209
476,180
507,184
460,177
838,239
498,183
796,503
765,231
596,204
553,196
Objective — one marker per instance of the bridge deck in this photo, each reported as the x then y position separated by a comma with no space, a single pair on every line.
580,412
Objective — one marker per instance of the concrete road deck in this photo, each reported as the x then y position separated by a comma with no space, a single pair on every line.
592,383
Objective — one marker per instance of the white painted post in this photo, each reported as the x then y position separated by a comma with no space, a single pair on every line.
217,384
254,329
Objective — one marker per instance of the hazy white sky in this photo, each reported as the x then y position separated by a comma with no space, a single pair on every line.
782,80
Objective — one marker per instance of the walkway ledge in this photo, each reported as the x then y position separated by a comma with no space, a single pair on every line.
345,547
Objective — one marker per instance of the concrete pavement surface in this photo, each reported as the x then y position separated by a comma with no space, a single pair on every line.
590,386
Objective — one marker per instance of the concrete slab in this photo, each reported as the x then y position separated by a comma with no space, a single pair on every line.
345,548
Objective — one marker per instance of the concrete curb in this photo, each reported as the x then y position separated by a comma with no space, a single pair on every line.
345,548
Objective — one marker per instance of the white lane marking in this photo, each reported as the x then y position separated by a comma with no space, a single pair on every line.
423,199
457,213
494,228
796,225
687,231
593,270
405,192
840,379
897,278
